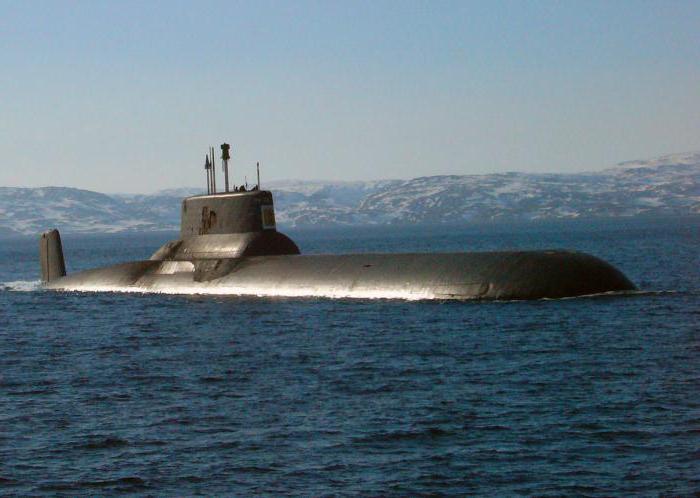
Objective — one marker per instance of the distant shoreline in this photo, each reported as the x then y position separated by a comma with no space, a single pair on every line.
598,223
666,188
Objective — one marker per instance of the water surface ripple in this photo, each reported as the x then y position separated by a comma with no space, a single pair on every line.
104,394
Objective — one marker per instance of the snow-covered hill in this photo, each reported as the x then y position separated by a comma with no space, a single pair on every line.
664,186
668,185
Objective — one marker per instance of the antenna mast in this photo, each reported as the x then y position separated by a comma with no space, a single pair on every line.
225,156
213,171
207,167
258,168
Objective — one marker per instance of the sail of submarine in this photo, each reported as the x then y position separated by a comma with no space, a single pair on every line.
229,244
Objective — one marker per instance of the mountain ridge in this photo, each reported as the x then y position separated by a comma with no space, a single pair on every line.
663,186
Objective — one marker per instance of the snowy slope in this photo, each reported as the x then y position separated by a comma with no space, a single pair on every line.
31,210
668,185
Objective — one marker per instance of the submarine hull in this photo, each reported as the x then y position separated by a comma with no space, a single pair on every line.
229,245
477,275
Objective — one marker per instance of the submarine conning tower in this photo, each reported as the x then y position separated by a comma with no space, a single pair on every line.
227,225
235,223
227,213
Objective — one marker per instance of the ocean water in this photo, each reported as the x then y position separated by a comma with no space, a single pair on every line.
104,394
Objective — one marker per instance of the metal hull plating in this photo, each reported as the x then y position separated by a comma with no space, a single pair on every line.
492,275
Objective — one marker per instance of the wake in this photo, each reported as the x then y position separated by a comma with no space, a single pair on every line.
21,286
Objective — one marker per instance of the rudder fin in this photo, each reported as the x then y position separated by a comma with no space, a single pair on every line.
53,265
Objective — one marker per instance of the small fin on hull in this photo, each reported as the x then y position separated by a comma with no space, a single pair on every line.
53,265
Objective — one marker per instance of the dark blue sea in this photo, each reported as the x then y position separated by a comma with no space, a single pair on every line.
106,394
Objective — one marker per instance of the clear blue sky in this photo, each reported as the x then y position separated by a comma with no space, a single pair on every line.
126,96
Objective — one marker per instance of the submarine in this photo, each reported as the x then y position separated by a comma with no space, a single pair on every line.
229,245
